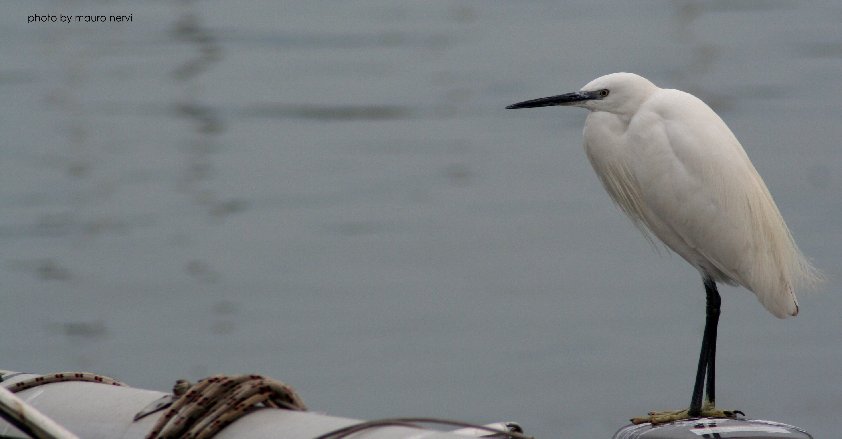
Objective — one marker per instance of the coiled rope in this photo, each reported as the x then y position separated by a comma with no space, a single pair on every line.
215,402
203,409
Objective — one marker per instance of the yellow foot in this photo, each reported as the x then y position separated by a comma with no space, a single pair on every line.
708,411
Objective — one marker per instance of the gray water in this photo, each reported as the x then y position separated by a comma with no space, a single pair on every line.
332,194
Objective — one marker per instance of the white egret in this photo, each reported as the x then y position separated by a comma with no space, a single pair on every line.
673,166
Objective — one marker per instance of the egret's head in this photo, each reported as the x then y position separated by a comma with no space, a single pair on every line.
620,93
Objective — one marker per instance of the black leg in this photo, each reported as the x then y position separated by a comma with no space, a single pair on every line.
698,387
707,354
712,321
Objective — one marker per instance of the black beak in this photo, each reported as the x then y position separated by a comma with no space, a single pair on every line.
552,101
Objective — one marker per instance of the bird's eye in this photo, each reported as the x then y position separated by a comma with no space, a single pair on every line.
604,92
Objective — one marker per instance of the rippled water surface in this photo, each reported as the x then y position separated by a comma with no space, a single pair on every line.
332,193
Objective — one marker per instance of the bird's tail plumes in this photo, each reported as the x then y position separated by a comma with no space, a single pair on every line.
780,268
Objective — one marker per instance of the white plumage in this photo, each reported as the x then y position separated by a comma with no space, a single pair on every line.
676,169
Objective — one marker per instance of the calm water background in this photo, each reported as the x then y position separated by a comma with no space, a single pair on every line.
331,193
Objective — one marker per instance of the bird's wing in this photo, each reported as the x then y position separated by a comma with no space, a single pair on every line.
702,196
